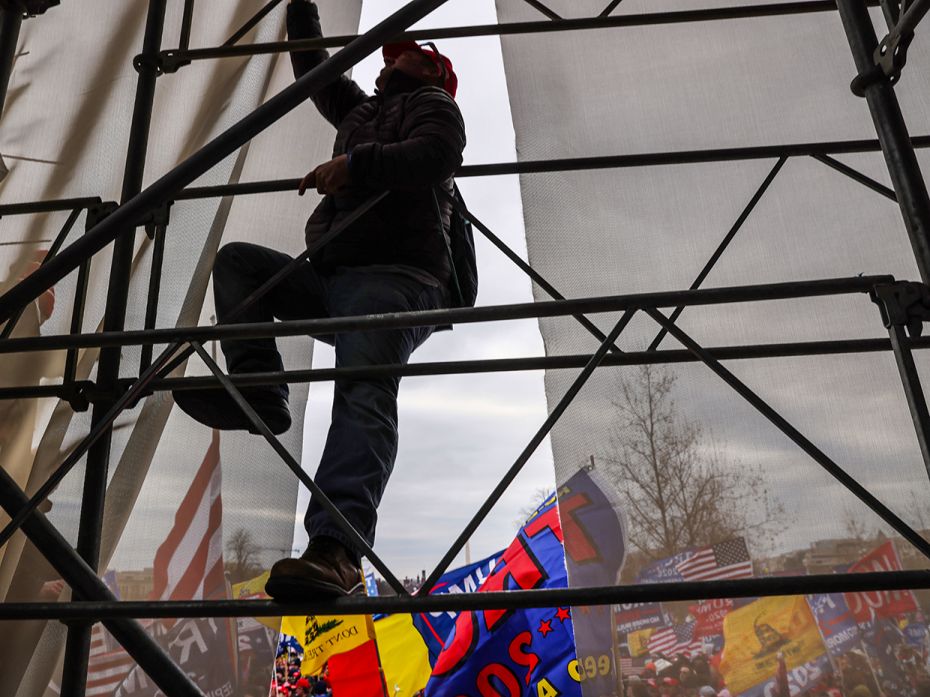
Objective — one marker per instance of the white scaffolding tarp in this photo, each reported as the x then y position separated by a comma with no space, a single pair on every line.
706,85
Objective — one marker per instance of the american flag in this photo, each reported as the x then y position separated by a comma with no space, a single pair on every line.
675,640
188,566
108,664
728,559
189,563
629,667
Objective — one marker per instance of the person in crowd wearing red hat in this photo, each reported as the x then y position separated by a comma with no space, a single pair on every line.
406,140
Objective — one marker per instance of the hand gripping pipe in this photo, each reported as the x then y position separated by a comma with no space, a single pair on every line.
127,216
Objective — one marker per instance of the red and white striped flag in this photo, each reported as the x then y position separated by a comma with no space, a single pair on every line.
728,559
189,563
675,640
629,667
106,668
108,663
188,566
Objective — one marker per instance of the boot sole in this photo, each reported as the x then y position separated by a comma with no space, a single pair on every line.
276,416
287,588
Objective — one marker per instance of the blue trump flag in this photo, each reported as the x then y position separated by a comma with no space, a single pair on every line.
664,570
515,652
289,644
836,623
595,549
371,585
436,626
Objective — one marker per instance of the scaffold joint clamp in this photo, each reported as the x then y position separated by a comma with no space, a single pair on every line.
903,303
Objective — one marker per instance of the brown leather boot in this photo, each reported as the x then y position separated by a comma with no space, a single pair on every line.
326,569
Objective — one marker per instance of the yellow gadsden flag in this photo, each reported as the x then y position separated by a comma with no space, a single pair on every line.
638,642
323,636
754,636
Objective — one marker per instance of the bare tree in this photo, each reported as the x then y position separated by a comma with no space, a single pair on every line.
678,488
856,526
539,497
242,556
918,512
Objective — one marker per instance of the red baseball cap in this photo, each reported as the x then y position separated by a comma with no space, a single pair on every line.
449,78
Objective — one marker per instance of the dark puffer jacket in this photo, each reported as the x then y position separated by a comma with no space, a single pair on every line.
406,139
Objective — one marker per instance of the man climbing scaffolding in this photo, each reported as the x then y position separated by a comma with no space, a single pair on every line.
407,139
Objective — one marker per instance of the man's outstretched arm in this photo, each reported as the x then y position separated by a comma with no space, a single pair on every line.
342,95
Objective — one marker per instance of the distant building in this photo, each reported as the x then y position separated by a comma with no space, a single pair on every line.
134,585
824,556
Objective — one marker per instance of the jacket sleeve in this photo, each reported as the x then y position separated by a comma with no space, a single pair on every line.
342,95
429,153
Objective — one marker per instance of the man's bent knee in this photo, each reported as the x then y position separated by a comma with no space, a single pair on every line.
233,255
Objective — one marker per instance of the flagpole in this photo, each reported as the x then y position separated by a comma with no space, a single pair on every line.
614,648
868,660
823,639
868,656
374,639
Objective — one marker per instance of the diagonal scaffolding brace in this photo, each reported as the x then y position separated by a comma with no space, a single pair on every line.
782,424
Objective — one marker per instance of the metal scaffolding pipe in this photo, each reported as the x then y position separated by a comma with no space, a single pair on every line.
62,204
916,11
533,27
90,526
575,164
164,189
682,157
10,23
783,425
466,602
906,177
499,365
396,320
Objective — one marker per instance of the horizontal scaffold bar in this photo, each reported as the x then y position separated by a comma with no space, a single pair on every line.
574,164
51,206
497,365
570,362
493,313
532,27
464,602
577,164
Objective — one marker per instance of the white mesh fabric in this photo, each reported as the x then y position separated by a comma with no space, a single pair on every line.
722,84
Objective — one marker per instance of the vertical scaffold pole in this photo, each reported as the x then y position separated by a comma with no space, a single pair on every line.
892,132
909,186
77,649
10,23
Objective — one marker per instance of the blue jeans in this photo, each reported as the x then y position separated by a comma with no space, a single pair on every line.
362,442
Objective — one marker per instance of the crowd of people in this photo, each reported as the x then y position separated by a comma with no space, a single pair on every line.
680,677
854,677
289,682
